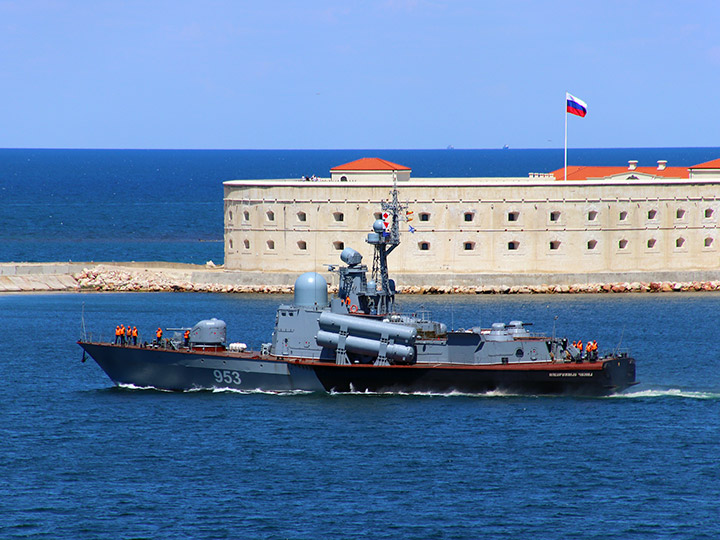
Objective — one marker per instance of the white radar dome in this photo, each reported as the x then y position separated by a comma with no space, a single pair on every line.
311,290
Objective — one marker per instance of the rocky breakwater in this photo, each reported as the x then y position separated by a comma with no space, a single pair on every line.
580,288
115,279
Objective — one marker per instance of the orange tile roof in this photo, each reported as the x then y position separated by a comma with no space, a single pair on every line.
371,164
714,164
579,172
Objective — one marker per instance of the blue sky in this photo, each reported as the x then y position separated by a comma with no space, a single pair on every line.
350,74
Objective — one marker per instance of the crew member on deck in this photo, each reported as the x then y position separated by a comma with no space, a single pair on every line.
122,334
187,338
134,335
158,335
117,334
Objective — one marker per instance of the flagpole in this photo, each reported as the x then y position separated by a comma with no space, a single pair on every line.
566,99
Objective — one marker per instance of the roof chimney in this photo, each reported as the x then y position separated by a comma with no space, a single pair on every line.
632,164
662,163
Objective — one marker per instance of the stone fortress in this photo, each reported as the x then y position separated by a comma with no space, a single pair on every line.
602,224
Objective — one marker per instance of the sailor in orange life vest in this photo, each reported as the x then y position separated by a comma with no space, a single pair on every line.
117,334
134,335
158,335
187,338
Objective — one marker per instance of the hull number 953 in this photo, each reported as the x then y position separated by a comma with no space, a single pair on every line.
226,376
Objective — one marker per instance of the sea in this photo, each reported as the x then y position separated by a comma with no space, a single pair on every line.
82,459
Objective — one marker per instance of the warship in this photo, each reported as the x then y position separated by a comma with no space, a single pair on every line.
356,341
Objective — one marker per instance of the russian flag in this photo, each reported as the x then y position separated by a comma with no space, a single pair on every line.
575,105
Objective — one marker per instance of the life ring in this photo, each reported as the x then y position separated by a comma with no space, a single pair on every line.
353,309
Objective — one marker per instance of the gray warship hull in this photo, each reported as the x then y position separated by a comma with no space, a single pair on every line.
183,370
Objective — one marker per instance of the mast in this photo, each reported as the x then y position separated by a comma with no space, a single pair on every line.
389,240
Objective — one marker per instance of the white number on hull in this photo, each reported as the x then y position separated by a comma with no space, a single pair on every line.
227,376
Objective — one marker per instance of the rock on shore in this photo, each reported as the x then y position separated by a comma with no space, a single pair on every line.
119,278
102,278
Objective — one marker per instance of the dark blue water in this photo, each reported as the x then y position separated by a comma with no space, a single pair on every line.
80,459
122,205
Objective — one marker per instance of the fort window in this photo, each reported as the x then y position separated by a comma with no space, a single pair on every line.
680,213
555,244
469,246
679,242
424,216
270,215
708,212
469,216
246,243
271,244
651,243
555,216
513,216
623,215
302,216
246,215
424,246
302,245
708,242
592,244
339,245
339,216
513,245
592,214
652,214
622,244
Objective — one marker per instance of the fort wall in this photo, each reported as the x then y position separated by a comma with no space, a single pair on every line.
468,227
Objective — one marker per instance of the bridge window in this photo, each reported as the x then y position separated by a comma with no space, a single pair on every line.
513,216
680,242
592,214
708,212
622,244
339,245
246,244
339,216
246,215
469,246
651,243
270,215
652,214
708,242
623,215
513,245
302,245
302,216
469,216
592,244
555,216
680,213
271,244
555,244
424,216
424,246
